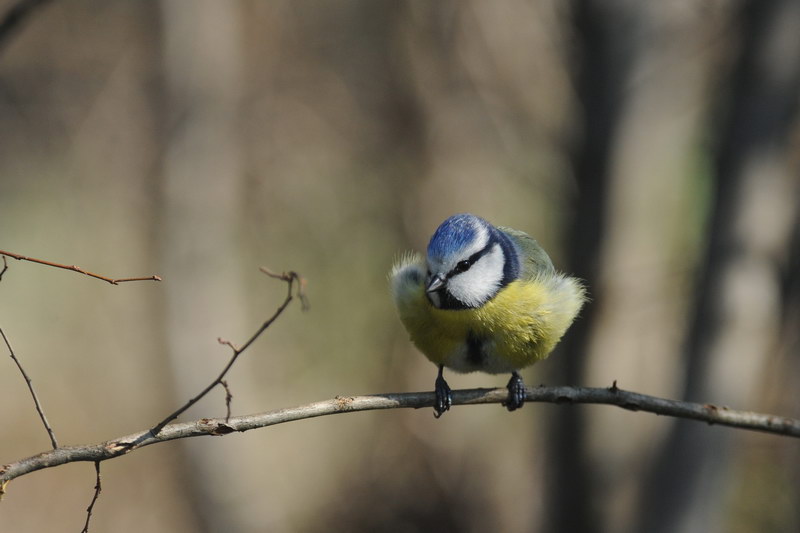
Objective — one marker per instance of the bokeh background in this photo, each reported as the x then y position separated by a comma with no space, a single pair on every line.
653,148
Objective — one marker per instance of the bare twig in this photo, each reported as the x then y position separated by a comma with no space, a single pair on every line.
5,267
74,268
36,402
97,489
228,398
631,401
290,278
227,343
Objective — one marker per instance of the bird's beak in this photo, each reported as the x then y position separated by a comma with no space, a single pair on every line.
436,283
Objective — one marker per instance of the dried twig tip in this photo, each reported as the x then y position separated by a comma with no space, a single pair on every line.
229,344
291,277
282,276
301,293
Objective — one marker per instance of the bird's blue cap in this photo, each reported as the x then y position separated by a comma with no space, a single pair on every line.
454,234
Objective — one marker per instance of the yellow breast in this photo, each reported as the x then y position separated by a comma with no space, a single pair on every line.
516,328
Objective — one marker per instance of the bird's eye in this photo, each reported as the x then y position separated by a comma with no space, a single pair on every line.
461,266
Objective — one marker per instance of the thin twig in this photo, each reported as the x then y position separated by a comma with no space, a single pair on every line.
227,343
36,402
75,268
5,267
290,278
228,398
631,401
97,489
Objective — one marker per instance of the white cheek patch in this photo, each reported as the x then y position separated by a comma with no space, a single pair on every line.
482,281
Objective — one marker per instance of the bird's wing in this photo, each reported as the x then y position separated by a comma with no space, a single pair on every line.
535,260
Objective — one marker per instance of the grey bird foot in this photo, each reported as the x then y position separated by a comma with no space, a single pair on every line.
444,397
516,393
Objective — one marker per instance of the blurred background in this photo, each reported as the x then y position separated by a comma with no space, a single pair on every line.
653,148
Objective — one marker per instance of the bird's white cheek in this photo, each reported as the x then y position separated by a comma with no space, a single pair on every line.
481,282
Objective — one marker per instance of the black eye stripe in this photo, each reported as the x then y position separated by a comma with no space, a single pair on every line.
461,266
471,260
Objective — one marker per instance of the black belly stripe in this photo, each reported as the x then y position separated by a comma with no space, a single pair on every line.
475,354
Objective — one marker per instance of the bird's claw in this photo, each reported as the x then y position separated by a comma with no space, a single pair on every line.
444,396
516,393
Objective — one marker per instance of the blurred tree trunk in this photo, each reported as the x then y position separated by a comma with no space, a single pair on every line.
16,16
602,64
737,309
644,281
790,333
201,205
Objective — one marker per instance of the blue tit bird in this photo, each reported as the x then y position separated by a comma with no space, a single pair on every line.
484,299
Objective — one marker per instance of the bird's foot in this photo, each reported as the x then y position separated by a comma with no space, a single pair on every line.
444,396
516,393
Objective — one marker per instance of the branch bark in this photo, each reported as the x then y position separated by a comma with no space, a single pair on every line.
613,395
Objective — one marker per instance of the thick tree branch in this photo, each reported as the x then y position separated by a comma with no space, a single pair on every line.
708,413
75,268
